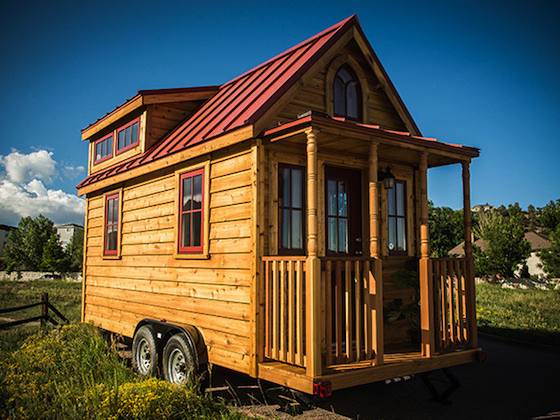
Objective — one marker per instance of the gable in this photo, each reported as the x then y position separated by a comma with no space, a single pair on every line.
314,92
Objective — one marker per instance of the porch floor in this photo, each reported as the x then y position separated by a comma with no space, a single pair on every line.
359,373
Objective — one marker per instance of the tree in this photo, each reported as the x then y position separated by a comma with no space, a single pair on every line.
54,258
24,247
549,217
446,229
551,257
506,246
75,251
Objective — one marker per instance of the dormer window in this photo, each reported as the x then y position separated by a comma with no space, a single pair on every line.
347,95
104,148
127,136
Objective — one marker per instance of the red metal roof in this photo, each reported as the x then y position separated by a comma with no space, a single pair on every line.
238,102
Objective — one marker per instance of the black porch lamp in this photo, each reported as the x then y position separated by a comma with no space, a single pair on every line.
388,178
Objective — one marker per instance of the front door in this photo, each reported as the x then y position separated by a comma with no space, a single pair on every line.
343,193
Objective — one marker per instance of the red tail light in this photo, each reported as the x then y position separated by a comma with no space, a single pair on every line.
322,389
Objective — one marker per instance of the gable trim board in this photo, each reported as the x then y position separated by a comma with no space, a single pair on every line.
248,98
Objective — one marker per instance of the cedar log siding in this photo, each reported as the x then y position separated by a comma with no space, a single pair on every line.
212,294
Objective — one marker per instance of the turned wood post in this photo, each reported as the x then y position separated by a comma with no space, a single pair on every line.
375,275
313,268
426,286
470,287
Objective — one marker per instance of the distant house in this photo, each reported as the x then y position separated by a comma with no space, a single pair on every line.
4,231
536,241
66,232
482,208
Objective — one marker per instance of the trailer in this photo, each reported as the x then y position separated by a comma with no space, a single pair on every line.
276,225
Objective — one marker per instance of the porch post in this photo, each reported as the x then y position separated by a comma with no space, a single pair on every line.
313,268
470,286
426,286
375,274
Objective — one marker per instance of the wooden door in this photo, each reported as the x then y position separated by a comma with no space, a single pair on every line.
343,212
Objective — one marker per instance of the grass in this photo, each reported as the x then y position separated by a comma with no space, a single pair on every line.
64,295
530,315
71,373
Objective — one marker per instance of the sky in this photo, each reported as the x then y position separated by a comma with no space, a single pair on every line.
479,73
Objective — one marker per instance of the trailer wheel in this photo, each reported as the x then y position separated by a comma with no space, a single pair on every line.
179,360
144,351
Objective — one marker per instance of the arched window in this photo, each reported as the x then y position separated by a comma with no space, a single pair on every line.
347,94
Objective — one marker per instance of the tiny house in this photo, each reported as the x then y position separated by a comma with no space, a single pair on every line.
277,225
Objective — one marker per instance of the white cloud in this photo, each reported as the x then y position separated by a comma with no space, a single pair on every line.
73,172
22,168
23,191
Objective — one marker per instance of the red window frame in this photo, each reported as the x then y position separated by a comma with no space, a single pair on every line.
114,223
101,140
122,128
199,248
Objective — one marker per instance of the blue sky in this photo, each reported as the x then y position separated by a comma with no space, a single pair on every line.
478,73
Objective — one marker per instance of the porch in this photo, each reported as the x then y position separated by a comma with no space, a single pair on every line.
322,313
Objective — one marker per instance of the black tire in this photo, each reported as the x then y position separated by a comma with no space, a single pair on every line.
144,352
180,364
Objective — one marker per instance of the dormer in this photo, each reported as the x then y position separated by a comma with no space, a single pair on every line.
133,127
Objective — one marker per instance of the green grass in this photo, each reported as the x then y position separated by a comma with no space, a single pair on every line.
71,373
64,295
527,315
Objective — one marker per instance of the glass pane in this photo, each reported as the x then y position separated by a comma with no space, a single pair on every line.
339,99
134,132
391,201
115,218
109,211
285,240
286,202
400,198
197,192
342,199
121,143
98,151
112,239
297,191
352,101
343,235
332,234
401,234
128,135
187,193
185,230
297,229
196,228
344,74
392,234
331,197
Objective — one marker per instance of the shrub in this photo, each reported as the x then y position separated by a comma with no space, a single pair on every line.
71,373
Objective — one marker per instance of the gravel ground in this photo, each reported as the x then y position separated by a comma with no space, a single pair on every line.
515,382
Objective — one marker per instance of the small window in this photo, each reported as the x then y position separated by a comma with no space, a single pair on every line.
396,218
127,136
111,225
291,209
103,148
347,94
337,216
191,212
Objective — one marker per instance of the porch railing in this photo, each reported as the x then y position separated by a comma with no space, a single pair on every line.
451,303
285,309
347,307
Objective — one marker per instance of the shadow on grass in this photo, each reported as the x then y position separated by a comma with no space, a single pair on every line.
524,336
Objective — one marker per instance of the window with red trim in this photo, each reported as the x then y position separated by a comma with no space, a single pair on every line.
104,148
128,135
191,212
111,224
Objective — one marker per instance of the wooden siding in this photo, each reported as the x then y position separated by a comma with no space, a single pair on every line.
149,282
162,118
